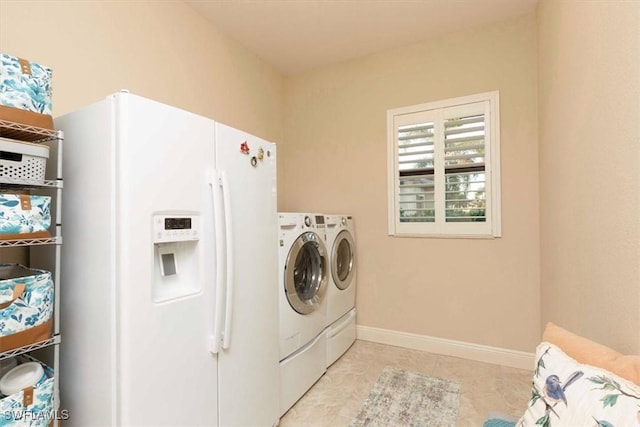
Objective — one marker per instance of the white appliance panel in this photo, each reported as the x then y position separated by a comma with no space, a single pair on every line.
296,329
253,345
300,371
163,156
137,338
89,365
341,293
340,336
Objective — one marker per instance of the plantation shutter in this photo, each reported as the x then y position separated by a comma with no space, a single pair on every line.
416,172
440,161
464,169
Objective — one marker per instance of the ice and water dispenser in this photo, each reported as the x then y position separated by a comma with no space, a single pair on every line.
175,246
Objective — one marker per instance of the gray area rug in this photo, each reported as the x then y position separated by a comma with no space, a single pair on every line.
405,398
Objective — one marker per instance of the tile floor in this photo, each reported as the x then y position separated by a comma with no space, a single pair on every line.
336,398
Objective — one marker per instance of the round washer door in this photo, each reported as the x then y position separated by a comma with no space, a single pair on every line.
305,277
343,261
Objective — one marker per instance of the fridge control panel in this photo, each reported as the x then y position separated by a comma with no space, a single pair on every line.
175,228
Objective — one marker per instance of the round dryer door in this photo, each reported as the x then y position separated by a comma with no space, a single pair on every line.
343,262
305,279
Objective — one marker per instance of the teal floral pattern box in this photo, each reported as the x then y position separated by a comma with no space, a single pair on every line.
25,91
24,216
31,407
26,306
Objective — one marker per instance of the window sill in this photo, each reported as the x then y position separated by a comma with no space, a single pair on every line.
445,236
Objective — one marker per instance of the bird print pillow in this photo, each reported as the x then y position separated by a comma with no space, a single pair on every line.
567,393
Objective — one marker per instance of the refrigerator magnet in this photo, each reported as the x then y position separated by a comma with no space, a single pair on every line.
244,148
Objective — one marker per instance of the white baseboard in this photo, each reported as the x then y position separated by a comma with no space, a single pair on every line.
465,350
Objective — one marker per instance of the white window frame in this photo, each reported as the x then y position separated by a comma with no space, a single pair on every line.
491,228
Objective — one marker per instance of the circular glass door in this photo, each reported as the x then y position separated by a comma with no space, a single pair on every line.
305,279
343,263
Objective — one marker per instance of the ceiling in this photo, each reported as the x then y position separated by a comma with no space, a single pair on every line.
298,35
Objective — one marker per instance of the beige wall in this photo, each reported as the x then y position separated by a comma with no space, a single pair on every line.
334,160
161,50
588,95
589,108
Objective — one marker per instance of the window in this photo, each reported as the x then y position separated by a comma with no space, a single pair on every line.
444,168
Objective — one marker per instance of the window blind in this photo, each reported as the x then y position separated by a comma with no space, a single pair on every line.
464,164
416,152
444,168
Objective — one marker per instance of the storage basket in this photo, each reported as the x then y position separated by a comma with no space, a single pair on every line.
23,160
32,406
25,92
26,306
24,216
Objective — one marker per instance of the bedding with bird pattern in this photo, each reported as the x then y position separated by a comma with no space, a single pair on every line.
567,393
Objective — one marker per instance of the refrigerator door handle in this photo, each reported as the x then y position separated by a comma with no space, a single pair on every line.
215,340
228,312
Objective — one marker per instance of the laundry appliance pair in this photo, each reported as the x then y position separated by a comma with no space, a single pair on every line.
317,282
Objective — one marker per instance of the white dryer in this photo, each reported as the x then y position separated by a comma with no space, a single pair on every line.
341,292
303,281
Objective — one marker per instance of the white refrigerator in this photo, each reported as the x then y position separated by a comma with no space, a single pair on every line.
169,300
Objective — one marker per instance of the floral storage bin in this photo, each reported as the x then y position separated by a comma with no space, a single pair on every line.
32,406
25,92
26,306
24,216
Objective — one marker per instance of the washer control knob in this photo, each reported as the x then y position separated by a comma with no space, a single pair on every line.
343,221
307,221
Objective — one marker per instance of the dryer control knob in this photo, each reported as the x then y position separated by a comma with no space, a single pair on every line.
307,221
344,221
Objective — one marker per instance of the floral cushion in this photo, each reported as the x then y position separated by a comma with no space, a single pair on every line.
567,393
592,353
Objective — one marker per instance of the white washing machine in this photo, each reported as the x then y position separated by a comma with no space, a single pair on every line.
303,280
341,291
